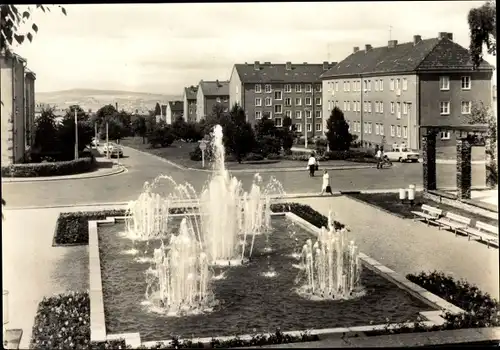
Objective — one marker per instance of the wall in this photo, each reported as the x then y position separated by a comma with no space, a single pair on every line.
30,109
6,96
235,89
185,105
431,95
211,101
200,105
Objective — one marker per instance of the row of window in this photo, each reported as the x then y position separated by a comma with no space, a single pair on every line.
288,113
288,101
288,88
444,83
379,129
317,127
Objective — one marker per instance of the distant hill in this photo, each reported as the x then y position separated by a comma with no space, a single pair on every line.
94,99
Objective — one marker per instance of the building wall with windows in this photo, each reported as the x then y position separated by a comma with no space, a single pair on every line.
209,94
189,103
29,95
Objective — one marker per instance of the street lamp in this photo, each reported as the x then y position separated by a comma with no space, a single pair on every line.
76,134
203,147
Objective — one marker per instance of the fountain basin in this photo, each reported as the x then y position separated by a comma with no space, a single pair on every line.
250,296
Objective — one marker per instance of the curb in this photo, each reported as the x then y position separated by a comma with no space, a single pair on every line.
116,204
117,171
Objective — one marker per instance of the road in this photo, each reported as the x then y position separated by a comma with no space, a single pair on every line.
144,167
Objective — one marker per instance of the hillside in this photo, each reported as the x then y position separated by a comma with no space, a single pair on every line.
94,99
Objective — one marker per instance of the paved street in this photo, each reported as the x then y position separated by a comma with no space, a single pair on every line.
144,167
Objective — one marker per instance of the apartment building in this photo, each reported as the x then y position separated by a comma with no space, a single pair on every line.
189,103
17,109
208,95
281,90
175,109
390,91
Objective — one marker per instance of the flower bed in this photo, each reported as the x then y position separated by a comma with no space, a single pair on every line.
63,322
73,228
69,167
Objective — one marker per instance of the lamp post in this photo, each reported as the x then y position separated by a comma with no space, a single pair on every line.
107,140
5,303
76,134
203,147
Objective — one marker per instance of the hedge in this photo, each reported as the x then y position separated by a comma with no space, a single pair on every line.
73,228
69,167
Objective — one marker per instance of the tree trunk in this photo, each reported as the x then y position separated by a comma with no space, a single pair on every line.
143,140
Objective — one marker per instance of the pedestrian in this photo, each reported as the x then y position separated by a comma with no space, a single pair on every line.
378,156
312,164
326,188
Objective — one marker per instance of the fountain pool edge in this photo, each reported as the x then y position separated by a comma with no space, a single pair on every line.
97,316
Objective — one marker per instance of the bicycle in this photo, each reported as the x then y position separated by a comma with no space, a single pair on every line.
385,162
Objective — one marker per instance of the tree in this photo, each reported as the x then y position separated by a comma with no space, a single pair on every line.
139,128
103,115
337,134
80,113
287,134
66,135
45,140
157,109
179,128
162,135
481,114
116,130
483,31
238,134
126,119
267,136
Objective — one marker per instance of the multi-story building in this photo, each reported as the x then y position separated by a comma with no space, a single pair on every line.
389,91
209,94
281,90
13,109
175,109
29,104
189,103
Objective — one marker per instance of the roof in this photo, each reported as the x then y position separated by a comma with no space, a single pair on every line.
30,73
176,106
215,88
277,72
191,92
163,109
428,54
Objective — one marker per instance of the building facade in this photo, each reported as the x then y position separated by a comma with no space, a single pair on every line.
281,90
13,117
29,98
175,109
210,94
189,103
387,93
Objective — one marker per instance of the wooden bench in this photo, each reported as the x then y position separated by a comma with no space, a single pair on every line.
483,232
454,222
428,213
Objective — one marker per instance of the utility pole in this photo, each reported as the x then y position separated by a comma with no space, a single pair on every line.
107,140
305,129
95,131
76,133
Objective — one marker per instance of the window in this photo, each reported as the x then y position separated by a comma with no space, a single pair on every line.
376,129
405,132
365,85
258,102
267,88
237,90
288,88
318,126
381,129
278,122
405,108
405,84
369,128
218,100
318,88
359,106
345,106
309,88
444,107
258,88
308,114
308,101
381,107
376,107
398,110
258,115
298,127
355,126
354,106
393,131
317,114
309,127
336,86
330,105
358,85
369,106
391,87
466,83
381,85
298,114
348,86
444,83
466,107
318,101
298,88
288,101
288,113
365,107
278,109
398,84
298,101
376,84
365,128
445,135
398,131
369,85
392,107
268,101
278,95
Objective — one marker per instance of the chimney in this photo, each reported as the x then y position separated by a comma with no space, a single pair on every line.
355,49
289,66
256,65
392,44
267,62
416,39
368,47
325,65
217,82
442,35
116,105
450,36
305,63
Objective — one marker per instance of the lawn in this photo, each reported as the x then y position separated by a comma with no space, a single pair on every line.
391,203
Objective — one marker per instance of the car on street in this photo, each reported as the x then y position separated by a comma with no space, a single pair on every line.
113,149
402,154
95,142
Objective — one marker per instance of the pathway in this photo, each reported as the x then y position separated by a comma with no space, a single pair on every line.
410,247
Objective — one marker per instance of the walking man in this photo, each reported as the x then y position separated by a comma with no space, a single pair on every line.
378,155
311,165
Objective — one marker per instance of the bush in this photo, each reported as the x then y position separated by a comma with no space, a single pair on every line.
195,155
69,167
307,213
273,156
253,157
268,144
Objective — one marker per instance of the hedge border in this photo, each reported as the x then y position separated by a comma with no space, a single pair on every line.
69,167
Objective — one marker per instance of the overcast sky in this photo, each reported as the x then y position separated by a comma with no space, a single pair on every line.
163,47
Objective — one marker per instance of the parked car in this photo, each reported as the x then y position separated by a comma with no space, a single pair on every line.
113,150
95,142
402,155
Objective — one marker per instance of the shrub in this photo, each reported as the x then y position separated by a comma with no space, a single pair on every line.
69,167
273,156
307,213
254,157
268,144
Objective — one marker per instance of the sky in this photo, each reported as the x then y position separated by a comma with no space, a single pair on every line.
161,48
